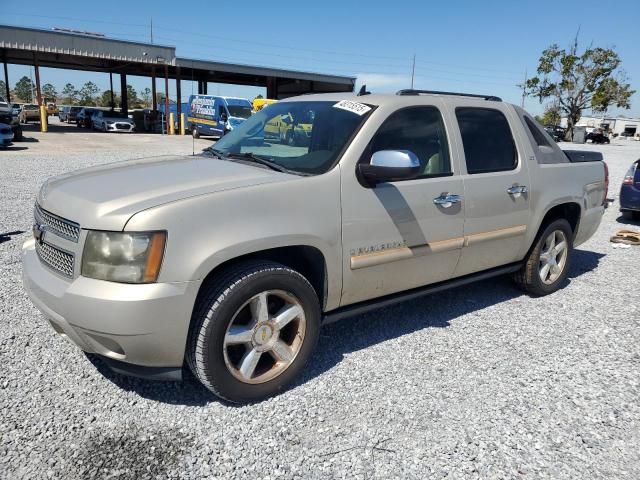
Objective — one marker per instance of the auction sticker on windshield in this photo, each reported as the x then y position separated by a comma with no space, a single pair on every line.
355,107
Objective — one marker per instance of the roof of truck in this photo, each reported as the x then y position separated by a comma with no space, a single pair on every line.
395,99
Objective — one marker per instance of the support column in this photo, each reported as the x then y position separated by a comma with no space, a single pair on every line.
166,96
154,100
272,87
124,100
178,92
6,80
37,72
113,103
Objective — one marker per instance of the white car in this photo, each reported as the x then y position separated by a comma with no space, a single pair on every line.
112,122
6,135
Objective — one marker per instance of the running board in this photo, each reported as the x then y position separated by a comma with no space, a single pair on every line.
388,300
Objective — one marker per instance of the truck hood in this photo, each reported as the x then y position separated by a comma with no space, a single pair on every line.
105,197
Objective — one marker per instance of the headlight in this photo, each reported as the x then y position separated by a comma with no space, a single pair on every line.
123,257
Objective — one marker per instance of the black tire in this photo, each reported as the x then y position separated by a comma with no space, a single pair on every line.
215,308
528,277
17,135
627,215
194,132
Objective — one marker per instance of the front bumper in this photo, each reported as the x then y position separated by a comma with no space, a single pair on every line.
114,128
143,325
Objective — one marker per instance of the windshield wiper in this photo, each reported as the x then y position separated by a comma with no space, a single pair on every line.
214,151
262,161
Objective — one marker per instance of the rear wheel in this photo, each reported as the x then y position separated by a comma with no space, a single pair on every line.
627,215
253,331
546,265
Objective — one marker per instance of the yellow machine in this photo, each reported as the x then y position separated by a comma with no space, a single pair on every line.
259,103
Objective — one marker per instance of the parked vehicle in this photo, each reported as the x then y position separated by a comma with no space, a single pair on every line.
63,112
6,135
259,103
83,117
29,113
52,109
112,122
7,117
72,114
597,136
291,128
556,132
217,116
16,107
230,261
630,193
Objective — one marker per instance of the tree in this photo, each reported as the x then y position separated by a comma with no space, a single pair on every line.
70,94
552,115
24,89
3,88
145,97
105,99
132,97
258,96
579,80
88,94
49,92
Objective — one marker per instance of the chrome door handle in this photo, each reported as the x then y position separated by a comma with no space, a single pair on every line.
517,189
446,201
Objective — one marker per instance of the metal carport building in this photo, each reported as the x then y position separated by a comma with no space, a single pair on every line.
77,51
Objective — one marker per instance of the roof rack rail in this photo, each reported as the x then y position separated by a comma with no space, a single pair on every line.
411,91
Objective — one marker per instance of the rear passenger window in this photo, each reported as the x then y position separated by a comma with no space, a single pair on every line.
540,139
420,130
487,140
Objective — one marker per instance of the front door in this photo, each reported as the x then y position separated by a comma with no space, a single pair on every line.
496,190
395,237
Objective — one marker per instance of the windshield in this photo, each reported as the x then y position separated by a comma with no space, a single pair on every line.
115,115
241,111
305,137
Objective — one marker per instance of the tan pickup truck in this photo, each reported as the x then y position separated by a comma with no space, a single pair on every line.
229,262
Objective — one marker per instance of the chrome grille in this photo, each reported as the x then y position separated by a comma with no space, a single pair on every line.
56,259
58,225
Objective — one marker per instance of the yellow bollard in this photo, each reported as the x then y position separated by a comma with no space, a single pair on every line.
44,125
182,124
172,124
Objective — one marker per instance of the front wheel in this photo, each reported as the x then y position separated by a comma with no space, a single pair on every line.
253,331
547,264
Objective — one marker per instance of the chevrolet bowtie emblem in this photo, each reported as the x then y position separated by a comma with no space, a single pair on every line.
38,232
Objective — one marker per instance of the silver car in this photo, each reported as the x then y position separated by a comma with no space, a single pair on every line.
112,122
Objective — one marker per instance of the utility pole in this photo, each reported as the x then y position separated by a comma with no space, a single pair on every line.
413,69
151,29
524,88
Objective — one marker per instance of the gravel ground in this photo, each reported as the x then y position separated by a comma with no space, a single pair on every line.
480,382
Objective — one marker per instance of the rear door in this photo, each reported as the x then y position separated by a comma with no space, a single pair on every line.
395,237
496,188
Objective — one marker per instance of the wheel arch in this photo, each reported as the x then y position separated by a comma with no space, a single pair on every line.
309,261
569,210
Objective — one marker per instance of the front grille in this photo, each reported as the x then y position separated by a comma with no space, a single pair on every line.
58,225
123,126
56,259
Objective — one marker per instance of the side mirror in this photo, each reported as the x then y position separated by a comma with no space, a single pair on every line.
390,166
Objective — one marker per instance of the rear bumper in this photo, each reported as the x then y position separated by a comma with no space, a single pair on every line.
629,198
143,325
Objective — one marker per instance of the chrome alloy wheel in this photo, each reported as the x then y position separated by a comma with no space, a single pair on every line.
264,336
553,257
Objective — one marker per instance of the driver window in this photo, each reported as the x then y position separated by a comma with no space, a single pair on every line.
419,130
